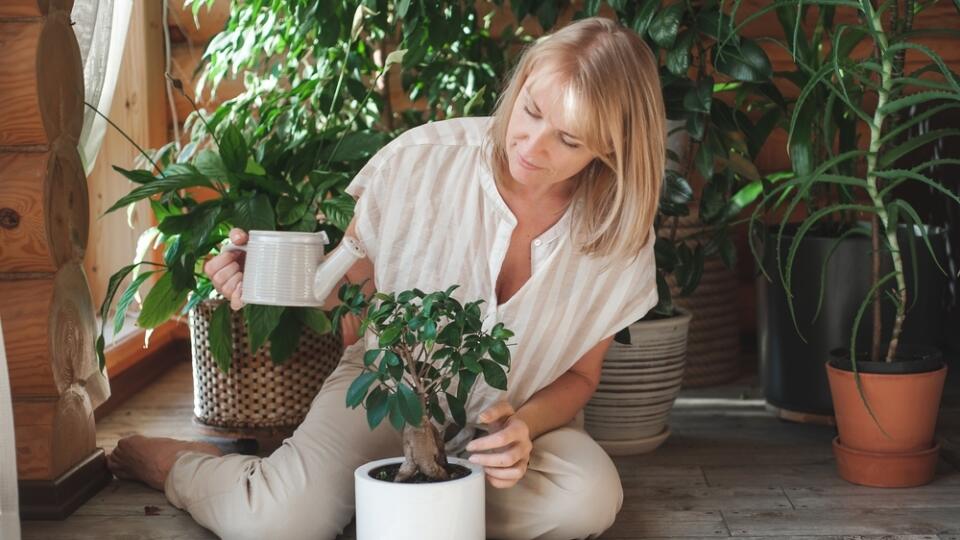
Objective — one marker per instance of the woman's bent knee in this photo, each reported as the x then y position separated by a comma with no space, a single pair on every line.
591,510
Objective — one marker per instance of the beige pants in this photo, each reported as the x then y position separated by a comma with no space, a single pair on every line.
304,490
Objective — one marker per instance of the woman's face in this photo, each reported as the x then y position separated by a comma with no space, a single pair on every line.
541,150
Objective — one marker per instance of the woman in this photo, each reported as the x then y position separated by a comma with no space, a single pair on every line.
545,210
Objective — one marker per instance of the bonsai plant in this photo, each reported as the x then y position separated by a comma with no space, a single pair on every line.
886,410
424,343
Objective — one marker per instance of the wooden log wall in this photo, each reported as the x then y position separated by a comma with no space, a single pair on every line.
46,306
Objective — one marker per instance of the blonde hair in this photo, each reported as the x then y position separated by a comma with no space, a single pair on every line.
611,73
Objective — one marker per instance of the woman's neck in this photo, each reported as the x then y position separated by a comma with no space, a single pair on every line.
557,195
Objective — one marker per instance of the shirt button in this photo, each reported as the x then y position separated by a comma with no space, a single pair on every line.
537,242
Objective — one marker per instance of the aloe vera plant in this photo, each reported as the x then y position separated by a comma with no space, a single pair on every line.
870,91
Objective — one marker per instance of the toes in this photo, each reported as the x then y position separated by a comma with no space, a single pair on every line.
114,464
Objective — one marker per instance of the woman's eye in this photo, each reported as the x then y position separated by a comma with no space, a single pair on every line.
528,111
571,145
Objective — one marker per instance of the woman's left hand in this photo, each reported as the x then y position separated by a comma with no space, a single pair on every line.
506,449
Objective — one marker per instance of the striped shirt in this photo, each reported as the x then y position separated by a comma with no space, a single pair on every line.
430,215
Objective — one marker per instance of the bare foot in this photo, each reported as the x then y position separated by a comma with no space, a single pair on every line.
149,459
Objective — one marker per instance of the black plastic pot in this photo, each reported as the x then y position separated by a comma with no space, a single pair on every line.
791,366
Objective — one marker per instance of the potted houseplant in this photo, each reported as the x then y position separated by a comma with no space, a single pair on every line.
418,345
196,202
886,398
644,367
796,330
233,173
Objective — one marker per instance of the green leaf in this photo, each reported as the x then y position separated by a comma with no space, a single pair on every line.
101,357
233,149
699,97
436,411
889,157
210,164
644,16
254,214
456,409
316,320
261,320
369,357
221,336
390,336
678,57
746,62
339,210
290,210
402,7
471,362
704,160
466,381
114,283
377,407
127,297
665,301
409,405
663,29
161,185
139,176
695,125
391,358
358,388
500,353
494,375
285,337
355,146
161,302
396,415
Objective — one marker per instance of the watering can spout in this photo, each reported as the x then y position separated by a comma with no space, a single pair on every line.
335,266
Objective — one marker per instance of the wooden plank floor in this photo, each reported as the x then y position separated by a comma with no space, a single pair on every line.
729,469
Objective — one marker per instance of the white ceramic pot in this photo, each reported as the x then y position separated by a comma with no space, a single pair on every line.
432,511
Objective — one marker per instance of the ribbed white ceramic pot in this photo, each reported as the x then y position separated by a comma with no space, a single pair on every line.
433,511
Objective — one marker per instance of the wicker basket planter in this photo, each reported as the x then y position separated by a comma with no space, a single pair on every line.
713,350
256,393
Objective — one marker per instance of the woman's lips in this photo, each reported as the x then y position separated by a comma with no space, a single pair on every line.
526,164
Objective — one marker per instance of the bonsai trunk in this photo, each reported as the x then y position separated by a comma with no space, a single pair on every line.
423,451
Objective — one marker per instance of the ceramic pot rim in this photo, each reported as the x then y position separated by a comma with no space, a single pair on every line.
362,474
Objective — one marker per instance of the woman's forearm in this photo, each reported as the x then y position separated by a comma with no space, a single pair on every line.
556,404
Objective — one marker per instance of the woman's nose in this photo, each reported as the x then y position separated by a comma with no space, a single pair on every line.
536,143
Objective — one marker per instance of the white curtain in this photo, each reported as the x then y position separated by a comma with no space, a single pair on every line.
101,29
9,514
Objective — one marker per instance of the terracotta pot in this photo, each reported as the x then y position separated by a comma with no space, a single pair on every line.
905,405
901,451
886,469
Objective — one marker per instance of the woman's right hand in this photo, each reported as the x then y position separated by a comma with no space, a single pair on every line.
226,270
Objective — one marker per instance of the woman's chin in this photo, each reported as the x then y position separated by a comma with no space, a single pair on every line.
522,175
